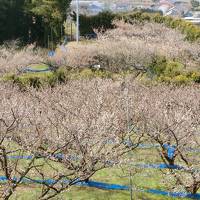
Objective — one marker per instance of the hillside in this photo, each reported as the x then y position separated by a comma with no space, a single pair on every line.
113,117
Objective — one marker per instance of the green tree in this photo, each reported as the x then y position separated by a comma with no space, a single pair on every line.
32,20
13,20
101,22
195,3
52,11
53,15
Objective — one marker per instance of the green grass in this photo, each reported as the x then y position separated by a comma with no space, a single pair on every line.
40,66
109,176
78,193
141,178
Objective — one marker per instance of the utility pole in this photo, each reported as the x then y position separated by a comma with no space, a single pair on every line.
128,101
77,21
131,186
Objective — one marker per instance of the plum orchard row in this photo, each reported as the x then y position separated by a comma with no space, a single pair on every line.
169,152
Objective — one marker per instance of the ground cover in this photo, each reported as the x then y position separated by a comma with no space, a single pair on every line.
141,179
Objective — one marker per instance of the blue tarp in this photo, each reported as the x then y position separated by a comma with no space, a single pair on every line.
171,149
51,53
159,166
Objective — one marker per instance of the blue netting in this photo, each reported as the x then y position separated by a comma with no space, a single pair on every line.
128,143
148,146
95,184
58,156
171,149
174,194
20,157
159,166
106,186
194,150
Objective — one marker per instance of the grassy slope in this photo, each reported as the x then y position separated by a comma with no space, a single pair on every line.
148,178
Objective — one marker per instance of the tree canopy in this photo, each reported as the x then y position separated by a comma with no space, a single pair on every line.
52,11
32,20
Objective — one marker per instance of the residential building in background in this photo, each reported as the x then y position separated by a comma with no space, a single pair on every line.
175,8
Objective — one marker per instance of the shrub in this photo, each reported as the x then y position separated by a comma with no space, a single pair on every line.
103,74
35,82
51,81
157,67
173,69
165,70
195,76
60,75
181,79
19,82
